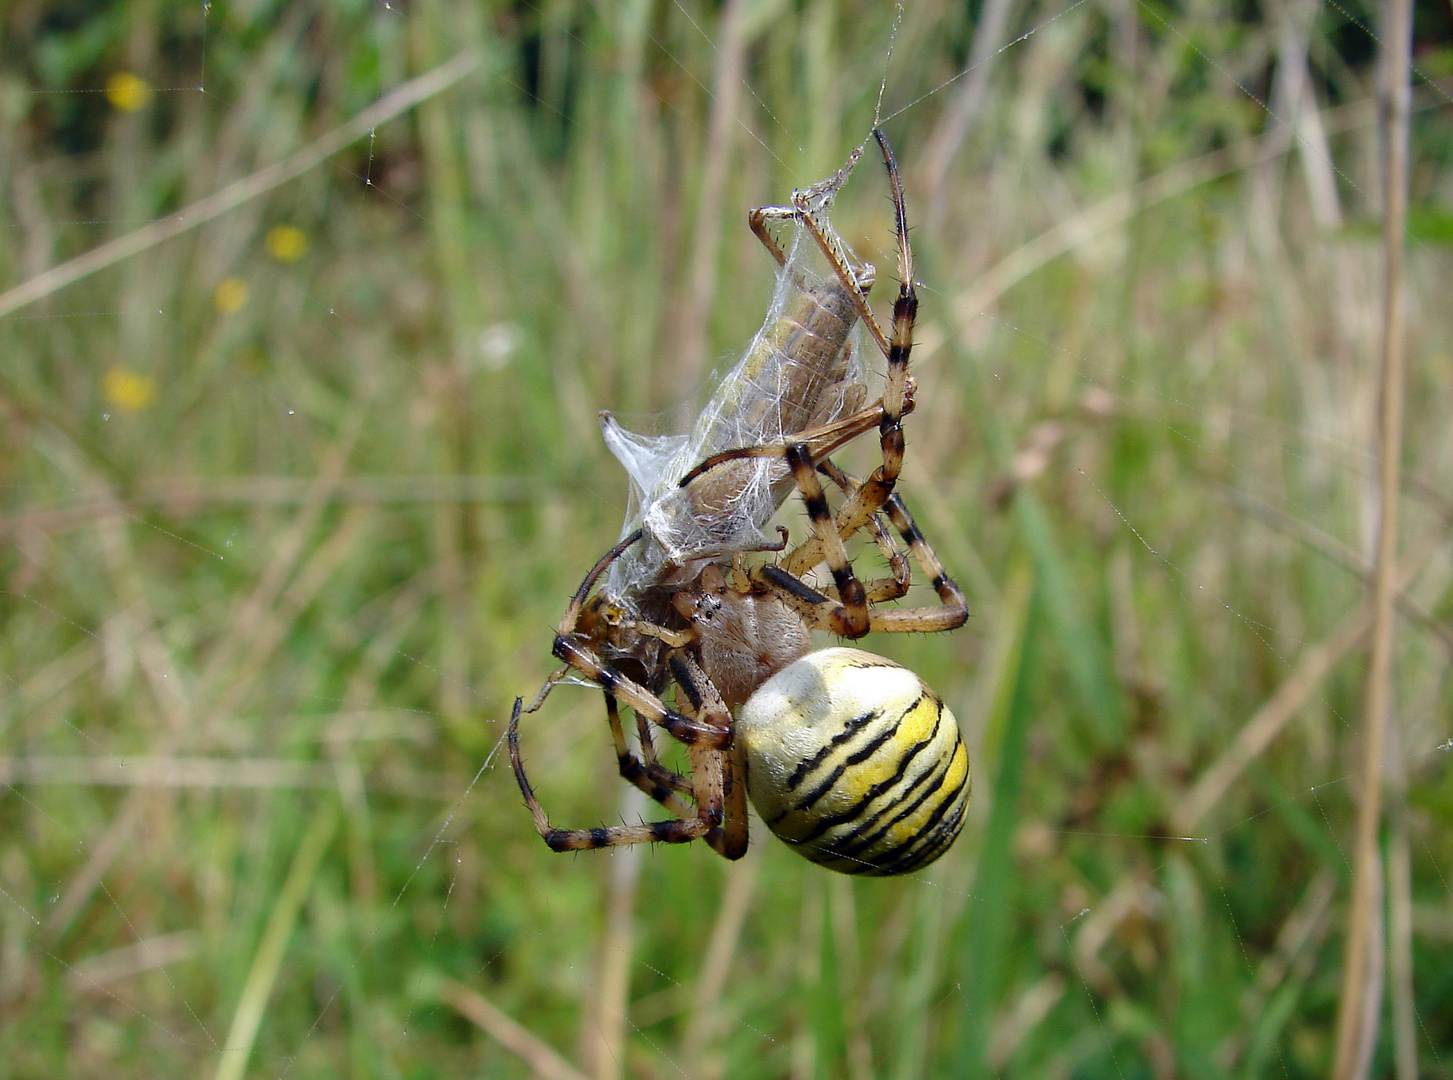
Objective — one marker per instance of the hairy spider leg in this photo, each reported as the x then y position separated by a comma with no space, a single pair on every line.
833,613
884,589
717,784
874,492
672,831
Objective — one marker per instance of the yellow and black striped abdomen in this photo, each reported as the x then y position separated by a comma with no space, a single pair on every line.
856,763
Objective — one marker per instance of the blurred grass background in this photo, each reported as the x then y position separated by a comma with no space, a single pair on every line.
293,499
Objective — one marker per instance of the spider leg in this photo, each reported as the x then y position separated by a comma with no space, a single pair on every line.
577,602
657,781
883,589
820,195
897,398
706,734
720,778
822,441
905,308
717,784
810,204
572,616
646,771
646,704
648,747
847,616
672,831
875,491
822,612
953,610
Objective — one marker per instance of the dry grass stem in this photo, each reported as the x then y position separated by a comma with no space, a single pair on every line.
1345,556
119,964
544,1062
399,100
689,329
217,774
184,498
1360,1007
708,1011
1316,662
1400,945
606,999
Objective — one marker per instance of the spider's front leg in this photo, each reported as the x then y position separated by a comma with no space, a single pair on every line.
646,772
672,831
706,734
953,610
717,784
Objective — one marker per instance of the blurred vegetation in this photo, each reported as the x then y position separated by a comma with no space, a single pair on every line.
293,500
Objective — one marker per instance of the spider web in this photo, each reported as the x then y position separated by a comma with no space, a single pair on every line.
182,792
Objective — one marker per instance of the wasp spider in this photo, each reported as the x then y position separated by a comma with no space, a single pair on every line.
848,757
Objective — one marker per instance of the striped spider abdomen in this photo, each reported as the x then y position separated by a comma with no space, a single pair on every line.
855,763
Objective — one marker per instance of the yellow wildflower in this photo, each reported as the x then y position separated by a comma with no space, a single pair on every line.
286,243
126,91
230,295
128,390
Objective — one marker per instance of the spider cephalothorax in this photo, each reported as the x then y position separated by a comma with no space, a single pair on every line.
850,758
